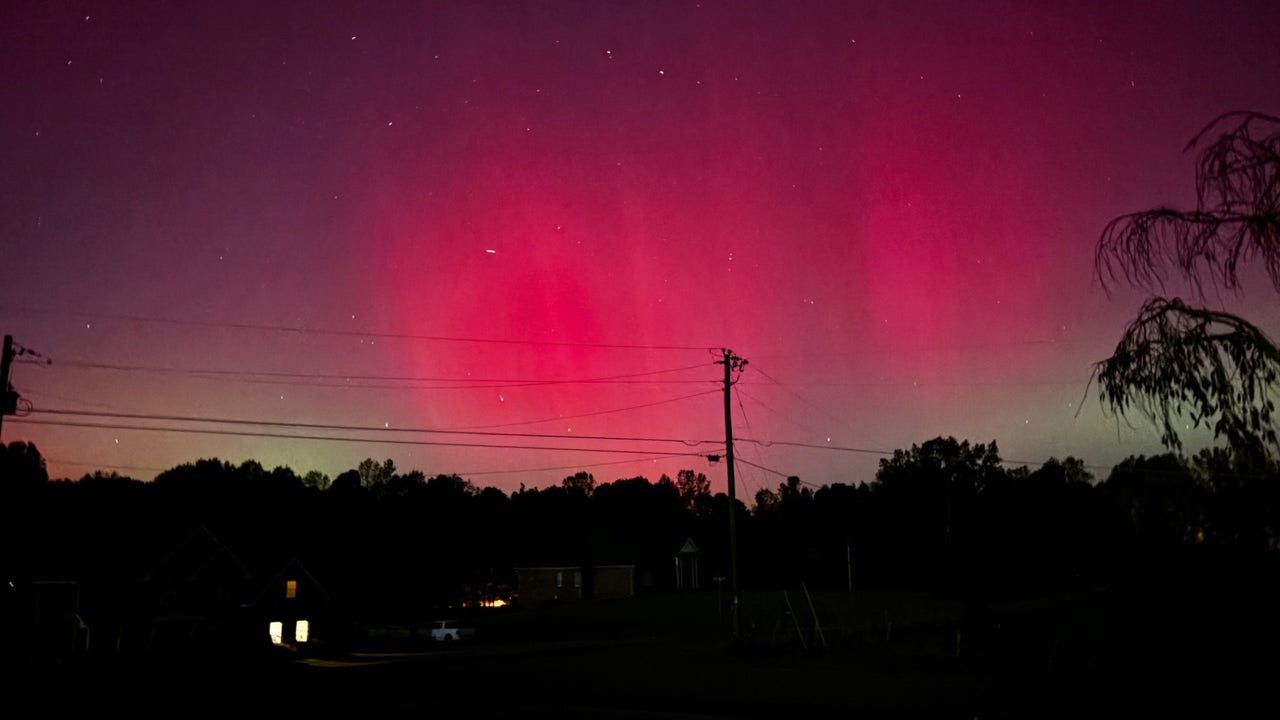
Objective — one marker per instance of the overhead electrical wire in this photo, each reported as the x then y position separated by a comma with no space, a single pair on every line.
747,421
761,467
582,415
394,382
525,422
815,446
797,423
793,393
293,378
337,438
357,428
301,329
940,348
579,466
629,461
476,383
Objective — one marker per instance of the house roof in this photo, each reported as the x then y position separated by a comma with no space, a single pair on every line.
294,569
200,555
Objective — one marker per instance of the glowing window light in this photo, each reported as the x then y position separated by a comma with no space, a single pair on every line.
277,632
290,589
302,630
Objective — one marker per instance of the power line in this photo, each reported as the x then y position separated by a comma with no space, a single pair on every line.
779,383
401,388
771,470
362,428
64,398
333,438
574,467
359,428
582,415
955,347
938,383
285,377
301,329
629,461
768,443
743,409
798,396
798,424
480,427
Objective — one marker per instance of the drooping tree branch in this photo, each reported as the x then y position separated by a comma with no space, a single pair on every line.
1236,220
1177,363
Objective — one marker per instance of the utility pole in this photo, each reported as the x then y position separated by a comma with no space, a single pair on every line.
732,362
8,398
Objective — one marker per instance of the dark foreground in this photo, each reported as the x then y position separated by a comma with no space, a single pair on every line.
1088,654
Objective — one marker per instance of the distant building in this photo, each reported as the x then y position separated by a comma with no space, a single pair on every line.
571,583
195,598
295,610
687,571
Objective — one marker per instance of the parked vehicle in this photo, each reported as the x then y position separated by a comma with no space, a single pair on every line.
451,630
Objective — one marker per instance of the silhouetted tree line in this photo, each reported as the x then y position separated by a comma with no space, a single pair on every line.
944,514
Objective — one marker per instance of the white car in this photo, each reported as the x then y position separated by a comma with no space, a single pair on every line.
450,630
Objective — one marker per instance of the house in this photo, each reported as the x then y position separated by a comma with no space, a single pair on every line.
295,610
570,583
195,600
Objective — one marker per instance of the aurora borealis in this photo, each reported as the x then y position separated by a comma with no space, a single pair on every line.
542,220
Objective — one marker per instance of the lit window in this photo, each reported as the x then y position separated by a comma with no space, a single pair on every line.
277,632
290,589
301,630
577,578
559,579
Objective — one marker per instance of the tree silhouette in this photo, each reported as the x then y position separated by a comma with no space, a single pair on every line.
316,479
692,485
582,482
1243,500
1177,360
1158,514
374,474
929,495
21,464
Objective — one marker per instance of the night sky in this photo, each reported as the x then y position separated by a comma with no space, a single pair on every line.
543,221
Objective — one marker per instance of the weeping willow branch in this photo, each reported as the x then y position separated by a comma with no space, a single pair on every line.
1236,220
1184,366
1177,363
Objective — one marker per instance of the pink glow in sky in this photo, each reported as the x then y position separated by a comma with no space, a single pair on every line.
888,208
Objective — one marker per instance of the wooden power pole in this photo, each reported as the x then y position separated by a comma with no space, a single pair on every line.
6,407
731,363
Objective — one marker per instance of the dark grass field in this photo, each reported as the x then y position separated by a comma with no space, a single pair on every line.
887,654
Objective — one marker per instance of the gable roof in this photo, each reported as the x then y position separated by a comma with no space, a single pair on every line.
200,556
291,570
